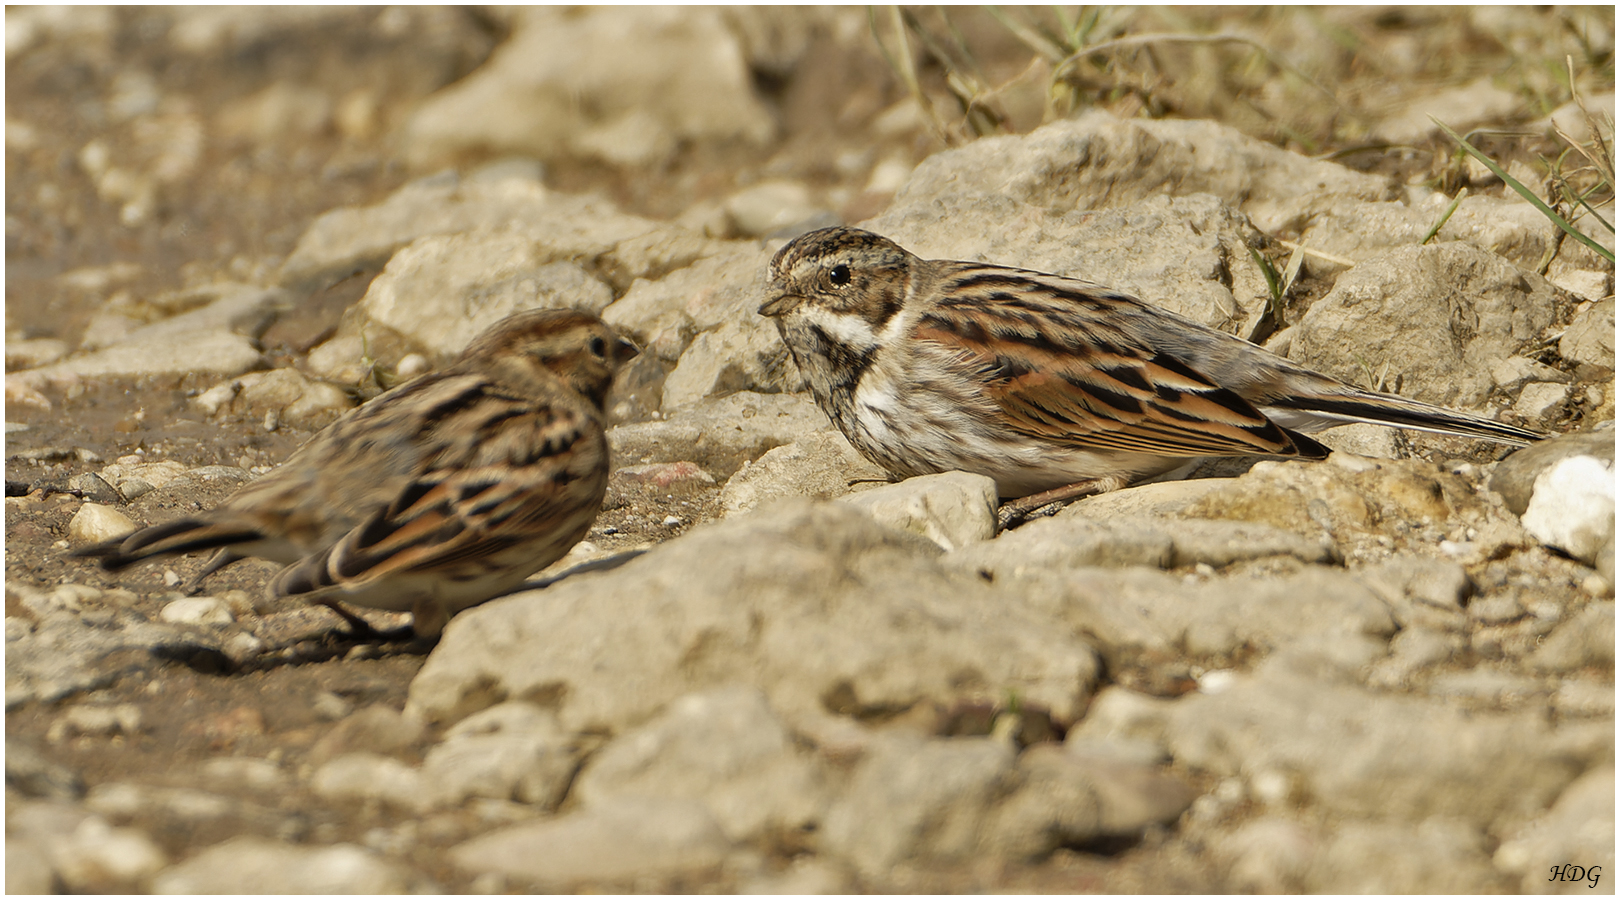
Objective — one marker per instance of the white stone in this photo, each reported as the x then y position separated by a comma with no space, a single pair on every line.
197,611
1573,507
952,509
94,523
246,865
1538,400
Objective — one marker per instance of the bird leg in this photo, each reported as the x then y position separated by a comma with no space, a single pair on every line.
1016,512
361,630
221,558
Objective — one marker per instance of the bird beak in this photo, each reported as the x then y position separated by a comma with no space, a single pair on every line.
781,305
625,350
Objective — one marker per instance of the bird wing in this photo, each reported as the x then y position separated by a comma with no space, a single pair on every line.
500,480
1056,369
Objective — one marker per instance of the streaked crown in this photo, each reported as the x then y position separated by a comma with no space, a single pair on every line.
575,345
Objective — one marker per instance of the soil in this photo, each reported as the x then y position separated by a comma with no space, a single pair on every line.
242,208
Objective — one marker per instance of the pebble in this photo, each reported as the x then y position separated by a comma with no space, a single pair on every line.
98,858
261,866
197,611
124,718
94,523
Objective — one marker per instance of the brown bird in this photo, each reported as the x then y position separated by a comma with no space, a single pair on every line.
1054,387
437,495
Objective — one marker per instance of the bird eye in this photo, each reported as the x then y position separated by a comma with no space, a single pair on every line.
599,348
839,275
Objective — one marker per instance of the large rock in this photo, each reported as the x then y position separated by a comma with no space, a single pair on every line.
624,85
1400,311
829,613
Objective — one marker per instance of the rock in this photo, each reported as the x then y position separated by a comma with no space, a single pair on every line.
734,357
94,523
917,801
821,465
722,433
1359,754
723,287
95,488
1071,540
724,747
280,111
1515,372
1266,855
1120,715
771,207
216,337
295,399
1278,855
33,354
1388,309
443,290
122,718
561,76
31,774
816,604
1584,698
1187,254
1066,798
666,475
952,509
350,239
511,751
247,864
184,809
1540,402
1589,339
1462,108
1095,161
1165,498
368,776
98,858
375,729
1515,477
1578,831
617,842
259,776
62,657
197,611
1572,507
1141,610
1586,639
27,871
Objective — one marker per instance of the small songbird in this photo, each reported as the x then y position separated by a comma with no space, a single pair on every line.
437,495
1055,387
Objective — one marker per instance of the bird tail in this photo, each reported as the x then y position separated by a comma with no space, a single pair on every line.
1318,411
179,536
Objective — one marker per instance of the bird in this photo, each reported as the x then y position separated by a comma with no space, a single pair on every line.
1054,387
441,493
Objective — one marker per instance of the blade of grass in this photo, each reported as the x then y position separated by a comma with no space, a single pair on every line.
1526,193
1444,217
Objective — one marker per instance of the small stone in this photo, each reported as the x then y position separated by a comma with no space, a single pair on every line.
257,775
94,523
258,865
133,487
952,509
98,858
1540,400
330,706
1589,339
368,776
94,487
618,842
664,475
197,611
1572,507
1584,698
124,718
